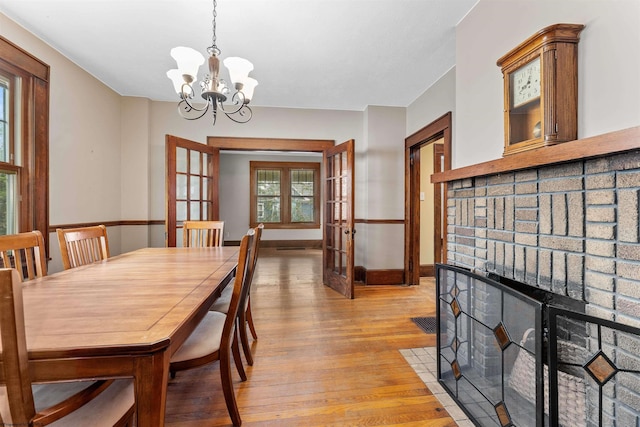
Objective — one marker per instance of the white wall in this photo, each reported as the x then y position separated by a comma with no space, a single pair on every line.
608,67
380,189
435,102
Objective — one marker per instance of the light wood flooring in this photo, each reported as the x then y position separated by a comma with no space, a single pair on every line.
320,359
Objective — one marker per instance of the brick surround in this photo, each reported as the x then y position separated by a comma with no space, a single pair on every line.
571,228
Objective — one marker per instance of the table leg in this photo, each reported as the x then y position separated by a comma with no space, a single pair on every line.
152,376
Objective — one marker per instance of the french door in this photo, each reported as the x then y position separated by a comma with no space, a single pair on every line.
192,185
339,231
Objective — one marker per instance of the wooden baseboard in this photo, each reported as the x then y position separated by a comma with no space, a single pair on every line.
428,270
379,277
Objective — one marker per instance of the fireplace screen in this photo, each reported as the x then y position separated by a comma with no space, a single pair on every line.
486,330
511,360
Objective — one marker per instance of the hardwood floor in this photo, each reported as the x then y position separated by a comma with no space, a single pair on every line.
320,359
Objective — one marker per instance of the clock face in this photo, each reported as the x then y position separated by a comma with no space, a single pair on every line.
525,83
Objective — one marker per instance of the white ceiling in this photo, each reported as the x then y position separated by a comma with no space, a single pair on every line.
327,54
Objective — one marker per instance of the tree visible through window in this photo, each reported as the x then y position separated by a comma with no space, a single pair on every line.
285,194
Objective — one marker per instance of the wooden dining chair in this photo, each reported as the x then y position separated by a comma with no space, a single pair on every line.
84,245
78,403
202,233
245,317
213,337
25,253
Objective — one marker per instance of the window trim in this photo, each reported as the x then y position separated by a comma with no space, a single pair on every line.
285,202
34,128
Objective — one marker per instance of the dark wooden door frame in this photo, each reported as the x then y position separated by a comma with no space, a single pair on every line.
439,128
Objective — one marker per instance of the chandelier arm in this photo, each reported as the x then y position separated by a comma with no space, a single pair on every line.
238,101
184,107
244,112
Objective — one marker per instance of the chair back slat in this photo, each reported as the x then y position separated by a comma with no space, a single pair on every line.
200,234
81,246
24,252
15,361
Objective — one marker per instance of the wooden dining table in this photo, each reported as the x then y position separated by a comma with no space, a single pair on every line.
123,317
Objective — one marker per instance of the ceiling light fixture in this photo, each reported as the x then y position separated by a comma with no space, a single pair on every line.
214,90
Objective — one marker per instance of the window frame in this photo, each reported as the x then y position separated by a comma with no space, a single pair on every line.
285,169
33,165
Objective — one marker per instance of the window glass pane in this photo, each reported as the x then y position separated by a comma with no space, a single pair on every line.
181,160
4,119
301,209
302,182
195,162
8,217
268,209
268,182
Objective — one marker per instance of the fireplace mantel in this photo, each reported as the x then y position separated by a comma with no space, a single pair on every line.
596,146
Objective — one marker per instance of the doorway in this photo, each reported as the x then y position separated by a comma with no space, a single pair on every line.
436,133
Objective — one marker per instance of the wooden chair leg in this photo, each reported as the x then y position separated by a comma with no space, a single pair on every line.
235,350
227,387
244,338
250,320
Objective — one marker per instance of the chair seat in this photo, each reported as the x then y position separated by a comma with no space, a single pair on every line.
104,410
221,304
204,340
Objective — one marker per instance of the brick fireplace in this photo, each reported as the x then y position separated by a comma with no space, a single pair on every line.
562,219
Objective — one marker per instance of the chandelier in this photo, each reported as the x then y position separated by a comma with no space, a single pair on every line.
214,90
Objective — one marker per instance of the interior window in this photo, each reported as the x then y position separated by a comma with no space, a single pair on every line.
285,194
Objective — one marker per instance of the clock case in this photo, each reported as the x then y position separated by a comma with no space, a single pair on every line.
552,117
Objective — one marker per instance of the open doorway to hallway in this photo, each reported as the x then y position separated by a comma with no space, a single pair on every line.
431,144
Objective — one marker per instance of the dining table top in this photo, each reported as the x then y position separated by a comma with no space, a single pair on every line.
134,301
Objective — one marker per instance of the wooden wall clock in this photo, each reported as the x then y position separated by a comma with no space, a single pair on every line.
541,89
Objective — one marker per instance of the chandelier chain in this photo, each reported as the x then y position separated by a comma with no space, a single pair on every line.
213,25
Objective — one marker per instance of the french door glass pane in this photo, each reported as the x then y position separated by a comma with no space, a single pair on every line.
195,211
206,183
181,187
181,159
181,211
8,205
205,210
194,187
195,162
